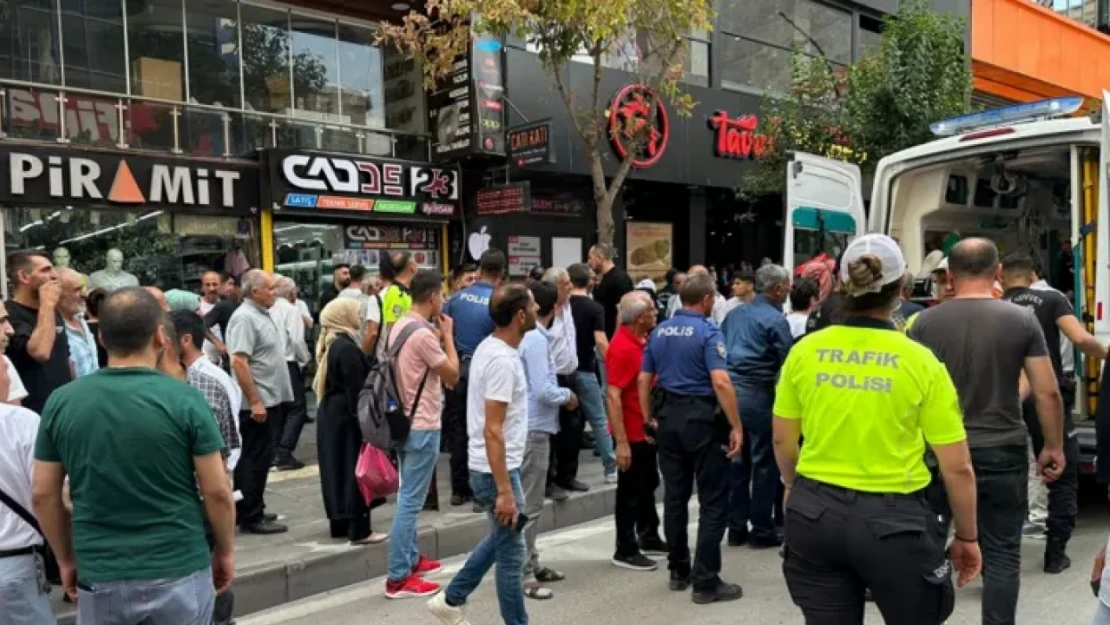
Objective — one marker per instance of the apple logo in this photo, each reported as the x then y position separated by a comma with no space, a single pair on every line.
478,243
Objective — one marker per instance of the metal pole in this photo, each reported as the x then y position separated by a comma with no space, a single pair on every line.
121,140
239,53
227,134
62,136
126,49
3,108
185,49
176,113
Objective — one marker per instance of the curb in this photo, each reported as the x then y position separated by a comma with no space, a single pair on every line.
270,586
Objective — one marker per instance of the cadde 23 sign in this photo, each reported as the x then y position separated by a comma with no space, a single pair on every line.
304,180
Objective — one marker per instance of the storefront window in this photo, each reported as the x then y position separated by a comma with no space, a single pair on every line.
307,251
159,248
213,52
157,51
315,68
362,78
29,41
92,39
266,59
753,65
805,22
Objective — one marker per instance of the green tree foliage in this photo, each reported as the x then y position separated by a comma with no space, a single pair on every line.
880,105
560,30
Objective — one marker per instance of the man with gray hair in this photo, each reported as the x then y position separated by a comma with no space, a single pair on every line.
291,327
757,339
720,304
257,350
561,333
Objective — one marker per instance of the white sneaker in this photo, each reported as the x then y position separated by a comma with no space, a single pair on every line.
611,478
448,615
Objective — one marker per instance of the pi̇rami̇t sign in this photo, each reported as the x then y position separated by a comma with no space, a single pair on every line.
737,137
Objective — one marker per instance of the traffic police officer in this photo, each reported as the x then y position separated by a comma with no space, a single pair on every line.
469,308
867,399
685,359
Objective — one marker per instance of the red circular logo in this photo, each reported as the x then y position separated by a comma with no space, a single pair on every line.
638,125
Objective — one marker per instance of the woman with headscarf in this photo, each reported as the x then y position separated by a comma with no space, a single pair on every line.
341,369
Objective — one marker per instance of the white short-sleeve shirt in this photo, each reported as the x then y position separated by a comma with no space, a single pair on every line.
17,390
497,374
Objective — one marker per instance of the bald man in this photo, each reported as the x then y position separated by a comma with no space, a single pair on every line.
82,342
720,304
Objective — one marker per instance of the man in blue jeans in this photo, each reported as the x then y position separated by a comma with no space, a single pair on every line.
497,427
758,338
426,360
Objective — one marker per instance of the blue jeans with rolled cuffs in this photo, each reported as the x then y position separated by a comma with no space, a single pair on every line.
503,546
417,462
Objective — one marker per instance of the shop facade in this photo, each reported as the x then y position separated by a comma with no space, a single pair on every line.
124,219
333,208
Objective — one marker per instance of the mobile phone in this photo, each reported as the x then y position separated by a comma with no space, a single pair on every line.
521,521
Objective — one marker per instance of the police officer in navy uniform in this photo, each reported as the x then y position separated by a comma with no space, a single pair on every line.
469,308
685,361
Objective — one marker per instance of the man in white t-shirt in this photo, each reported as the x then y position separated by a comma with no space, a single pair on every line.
17,391
22,601
497,425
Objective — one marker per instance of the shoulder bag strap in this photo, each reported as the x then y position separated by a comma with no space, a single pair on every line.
406,332
22,512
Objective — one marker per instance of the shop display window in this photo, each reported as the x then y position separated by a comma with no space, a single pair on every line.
115,248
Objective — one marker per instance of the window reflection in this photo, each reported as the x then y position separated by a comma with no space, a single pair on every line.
315,73
92,40
362,77
29,41
266,59
213,52
157,51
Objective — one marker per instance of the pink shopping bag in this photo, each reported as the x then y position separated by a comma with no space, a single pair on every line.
376,475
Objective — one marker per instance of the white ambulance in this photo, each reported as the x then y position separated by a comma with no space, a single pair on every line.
1032,177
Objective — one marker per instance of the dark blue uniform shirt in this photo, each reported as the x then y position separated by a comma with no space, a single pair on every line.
682,351
758,338
469,308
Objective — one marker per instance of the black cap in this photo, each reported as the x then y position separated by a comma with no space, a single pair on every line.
536,273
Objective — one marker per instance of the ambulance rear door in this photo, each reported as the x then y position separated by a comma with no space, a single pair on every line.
1102,238
824,207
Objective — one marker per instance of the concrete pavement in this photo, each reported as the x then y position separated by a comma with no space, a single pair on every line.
596,592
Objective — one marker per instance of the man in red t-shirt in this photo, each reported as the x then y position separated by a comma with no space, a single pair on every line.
638,476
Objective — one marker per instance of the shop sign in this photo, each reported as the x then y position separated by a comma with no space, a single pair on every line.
524,253
467,112
317,181
638,125
79,177
736,138
558,206
530,144
504,199
368,237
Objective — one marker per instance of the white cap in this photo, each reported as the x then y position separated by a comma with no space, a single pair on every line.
646,283
893,264
942,265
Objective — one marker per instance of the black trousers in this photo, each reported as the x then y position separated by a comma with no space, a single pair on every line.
257,457
635,509
692,440
1063,494
289,433
454,431
567,444
840,542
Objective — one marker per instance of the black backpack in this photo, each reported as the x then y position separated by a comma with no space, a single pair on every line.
381,412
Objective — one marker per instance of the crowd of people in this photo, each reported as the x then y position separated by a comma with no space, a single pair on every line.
876,431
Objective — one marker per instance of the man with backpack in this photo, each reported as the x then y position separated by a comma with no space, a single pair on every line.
424,360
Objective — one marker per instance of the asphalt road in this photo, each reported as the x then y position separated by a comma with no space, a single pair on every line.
596,592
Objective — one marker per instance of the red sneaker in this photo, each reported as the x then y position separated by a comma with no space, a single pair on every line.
426,565
411,586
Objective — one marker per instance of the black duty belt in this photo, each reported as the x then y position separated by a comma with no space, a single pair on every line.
688,399
15,553
914,496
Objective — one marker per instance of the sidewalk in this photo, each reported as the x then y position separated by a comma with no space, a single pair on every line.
272,570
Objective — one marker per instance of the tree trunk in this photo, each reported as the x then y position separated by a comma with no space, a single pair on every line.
606,229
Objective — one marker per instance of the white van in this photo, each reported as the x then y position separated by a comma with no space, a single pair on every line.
1029,177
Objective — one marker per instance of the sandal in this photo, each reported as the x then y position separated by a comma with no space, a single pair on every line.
373,539
533,590
548,575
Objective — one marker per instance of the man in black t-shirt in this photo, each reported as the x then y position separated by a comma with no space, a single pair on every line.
220,315
1055,316
613,284
39,348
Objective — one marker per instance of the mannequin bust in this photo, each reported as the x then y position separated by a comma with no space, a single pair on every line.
61,258
113,276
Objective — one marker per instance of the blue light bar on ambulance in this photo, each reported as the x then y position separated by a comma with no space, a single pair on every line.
1044,109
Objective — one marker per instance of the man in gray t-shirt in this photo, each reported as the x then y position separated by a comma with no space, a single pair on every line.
257,350
987,344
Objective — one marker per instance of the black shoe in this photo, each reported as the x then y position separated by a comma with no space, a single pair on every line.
269,517
265,527
477,508
737,538
679,581
653,546
554,493
458,500
723,592
310,419
1056,560
575,485
773,541
431,505
288,463
635,562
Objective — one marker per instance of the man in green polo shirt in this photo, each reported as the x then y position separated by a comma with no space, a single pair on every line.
135,444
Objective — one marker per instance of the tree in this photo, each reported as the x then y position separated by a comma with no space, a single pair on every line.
650,33
873,108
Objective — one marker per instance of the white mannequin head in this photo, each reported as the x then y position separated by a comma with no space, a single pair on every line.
114,261
61,258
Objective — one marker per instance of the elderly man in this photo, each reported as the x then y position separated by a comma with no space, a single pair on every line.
291,325
257,350
82,342
757,339
720,304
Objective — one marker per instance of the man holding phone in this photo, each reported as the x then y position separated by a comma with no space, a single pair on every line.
497,427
